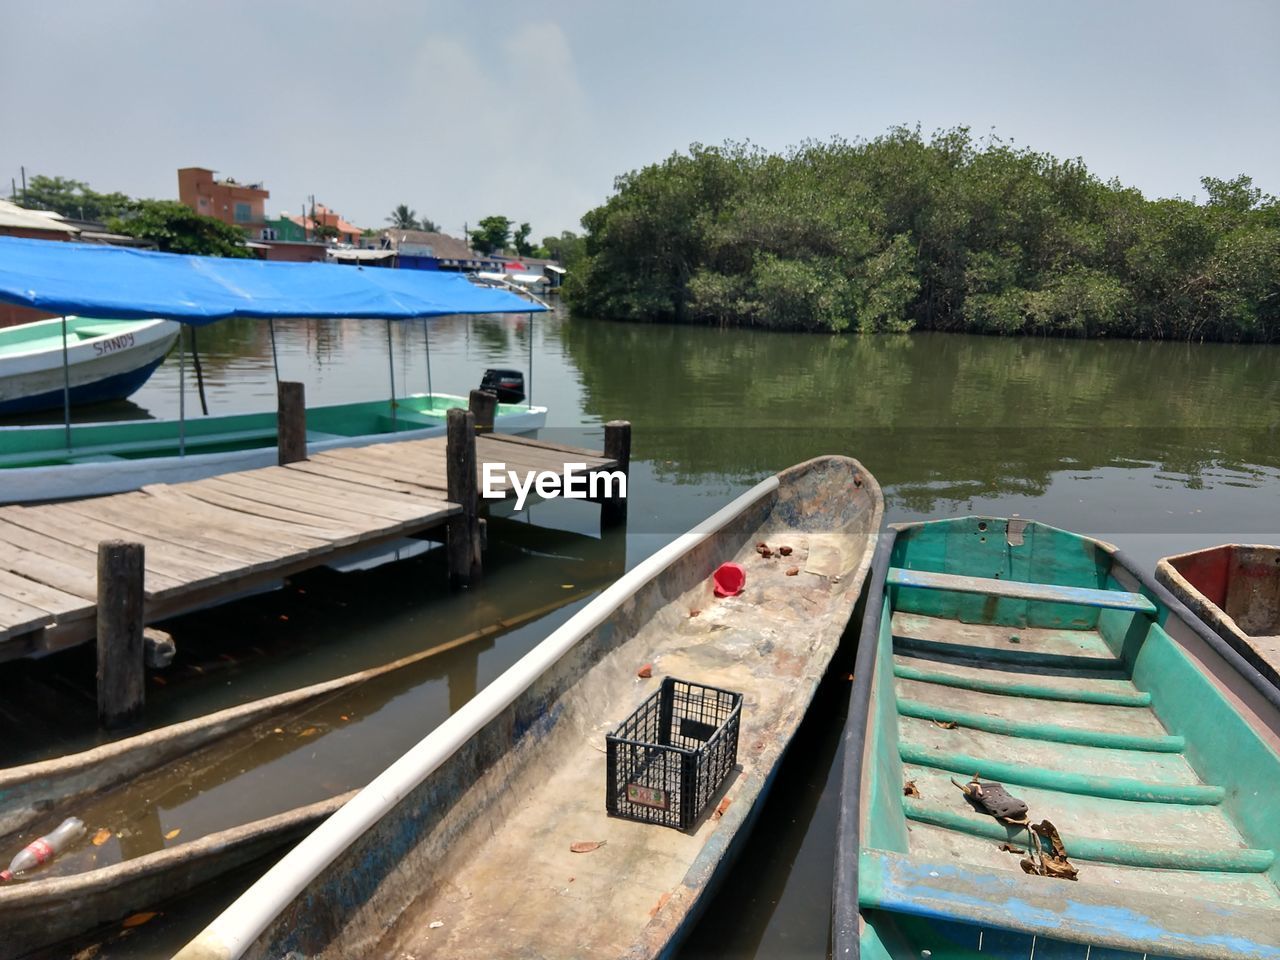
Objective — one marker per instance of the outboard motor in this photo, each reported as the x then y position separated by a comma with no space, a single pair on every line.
507,384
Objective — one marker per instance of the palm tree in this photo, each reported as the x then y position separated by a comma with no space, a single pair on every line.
403,218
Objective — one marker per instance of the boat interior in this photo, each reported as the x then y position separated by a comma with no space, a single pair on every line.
1014,653
1243,581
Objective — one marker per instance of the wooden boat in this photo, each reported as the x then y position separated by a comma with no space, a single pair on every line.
103,360
1235,590
137,868
1010,652
464,847
35,463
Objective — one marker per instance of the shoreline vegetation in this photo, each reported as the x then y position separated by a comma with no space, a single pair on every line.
905,233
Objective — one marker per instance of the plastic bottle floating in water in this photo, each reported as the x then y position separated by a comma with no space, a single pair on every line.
45,848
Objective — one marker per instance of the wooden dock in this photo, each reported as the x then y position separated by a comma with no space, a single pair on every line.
208,540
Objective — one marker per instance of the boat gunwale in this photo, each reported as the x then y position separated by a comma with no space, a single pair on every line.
133,326
846,909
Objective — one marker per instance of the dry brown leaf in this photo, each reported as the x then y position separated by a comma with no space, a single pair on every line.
946,724
586,846
694,613
724,805
909,789
793,571
1010,848
645,672
307,732
156,678
173,833
785,551
101,837
138,919
343,716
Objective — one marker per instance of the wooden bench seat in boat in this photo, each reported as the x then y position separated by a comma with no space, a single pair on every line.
1015,590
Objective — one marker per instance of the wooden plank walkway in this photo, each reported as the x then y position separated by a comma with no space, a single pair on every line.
210,539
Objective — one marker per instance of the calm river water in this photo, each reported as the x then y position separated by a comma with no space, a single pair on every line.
1158,448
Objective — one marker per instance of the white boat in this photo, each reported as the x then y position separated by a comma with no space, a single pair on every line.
93,360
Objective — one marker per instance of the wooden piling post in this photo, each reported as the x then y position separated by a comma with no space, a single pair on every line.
121,690
617,446
484,404
291,422
464,528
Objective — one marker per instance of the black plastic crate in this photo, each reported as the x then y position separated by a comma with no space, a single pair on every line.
668,759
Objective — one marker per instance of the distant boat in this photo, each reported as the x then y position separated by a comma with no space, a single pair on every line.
36,464
1235,590
1008,669
490,837
104,360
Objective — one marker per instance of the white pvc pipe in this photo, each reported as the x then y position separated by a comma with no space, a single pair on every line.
237,927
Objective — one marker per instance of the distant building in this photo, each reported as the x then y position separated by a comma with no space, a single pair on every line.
420,250
16,221
323,224
239,204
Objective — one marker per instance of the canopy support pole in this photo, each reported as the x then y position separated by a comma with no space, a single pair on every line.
182,392
195,360
391,366
66,385
275,361
528,399
426,338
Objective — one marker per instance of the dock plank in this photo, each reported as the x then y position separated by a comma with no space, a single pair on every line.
245,486
337,495
151,520
63,606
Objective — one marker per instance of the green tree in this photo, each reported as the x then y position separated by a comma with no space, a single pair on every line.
492,235
176,228
404,218
912,232
72,198
565,249
520,240
430,226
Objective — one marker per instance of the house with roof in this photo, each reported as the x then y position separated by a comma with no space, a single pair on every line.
424,250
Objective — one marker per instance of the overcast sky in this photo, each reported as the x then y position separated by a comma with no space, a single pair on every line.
530,110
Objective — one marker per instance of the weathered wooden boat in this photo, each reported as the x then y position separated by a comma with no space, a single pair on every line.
36,463
1235,590
464,847
44,364
1010,654
137,867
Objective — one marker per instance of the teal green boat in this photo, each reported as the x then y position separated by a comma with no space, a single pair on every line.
36,463
1047,755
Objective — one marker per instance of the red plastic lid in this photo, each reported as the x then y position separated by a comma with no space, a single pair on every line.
729,579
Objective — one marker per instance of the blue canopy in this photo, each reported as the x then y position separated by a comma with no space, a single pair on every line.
94,280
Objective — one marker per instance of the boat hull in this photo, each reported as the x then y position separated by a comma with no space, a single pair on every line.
475,825
1011,652
1235,590
95,473
105,360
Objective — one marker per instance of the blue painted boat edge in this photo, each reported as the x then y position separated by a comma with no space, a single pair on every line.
115,387
844,890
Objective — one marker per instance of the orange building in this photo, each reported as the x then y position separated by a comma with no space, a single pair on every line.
323,217
241,205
